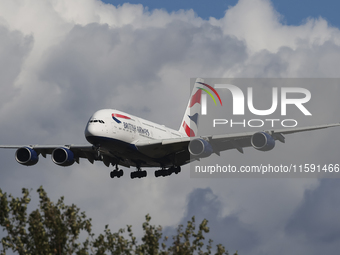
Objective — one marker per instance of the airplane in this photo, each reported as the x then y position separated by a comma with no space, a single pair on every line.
120,139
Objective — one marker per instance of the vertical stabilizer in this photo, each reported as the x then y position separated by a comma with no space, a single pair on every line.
189,125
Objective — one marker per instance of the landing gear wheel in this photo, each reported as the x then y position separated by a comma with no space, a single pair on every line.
120,173
177,169
116,173
158,173
162,172
166,172
138,174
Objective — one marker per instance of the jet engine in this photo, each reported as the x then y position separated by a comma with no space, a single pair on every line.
26,156
63,156
262,141
200,148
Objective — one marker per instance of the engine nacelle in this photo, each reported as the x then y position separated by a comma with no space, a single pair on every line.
200,148
262,141
26,156
62,156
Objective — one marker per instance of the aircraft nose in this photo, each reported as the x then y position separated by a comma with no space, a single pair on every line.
91,133
90,130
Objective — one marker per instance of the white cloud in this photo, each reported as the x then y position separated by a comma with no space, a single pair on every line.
260,27
14,48
64,59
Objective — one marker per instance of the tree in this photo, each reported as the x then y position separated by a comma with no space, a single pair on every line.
55,229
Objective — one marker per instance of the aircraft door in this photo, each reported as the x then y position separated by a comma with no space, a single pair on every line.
114,128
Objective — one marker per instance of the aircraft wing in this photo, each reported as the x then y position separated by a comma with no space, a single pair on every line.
178,147
238,141
165,151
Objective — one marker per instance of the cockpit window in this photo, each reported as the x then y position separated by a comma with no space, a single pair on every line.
96,121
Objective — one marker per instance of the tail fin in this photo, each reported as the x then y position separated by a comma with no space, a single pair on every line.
189,125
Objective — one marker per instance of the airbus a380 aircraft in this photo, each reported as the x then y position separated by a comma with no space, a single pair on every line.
120,138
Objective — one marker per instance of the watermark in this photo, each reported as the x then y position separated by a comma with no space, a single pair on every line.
286,97
307,170
243,125
239,101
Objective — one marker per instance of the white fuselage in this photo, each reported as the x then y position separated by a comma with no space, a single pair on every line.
117,125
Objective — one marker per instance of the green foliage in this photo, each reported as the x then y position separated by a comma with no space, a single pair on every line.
55,229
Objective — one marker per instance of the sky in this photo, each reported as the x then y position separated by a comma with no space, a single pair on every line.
62,60
292,12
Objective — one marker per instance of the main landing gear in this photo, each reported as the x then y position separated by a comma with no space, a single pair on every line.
138,174
116,173
166,172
